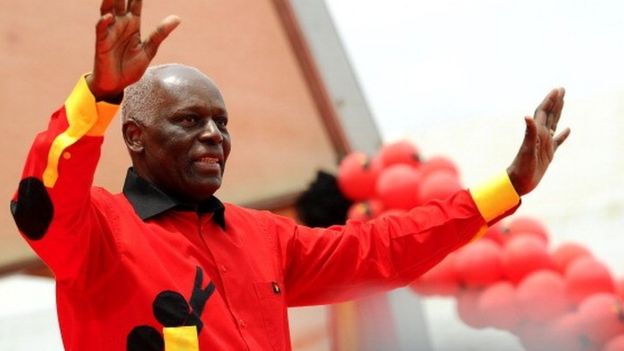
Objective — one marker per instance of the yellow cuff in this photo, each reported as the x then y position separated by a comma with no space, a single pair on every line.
105,112
84,117
81,107
495,197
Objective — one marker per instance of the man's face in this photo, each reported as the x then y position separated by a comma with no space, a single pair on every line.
187,143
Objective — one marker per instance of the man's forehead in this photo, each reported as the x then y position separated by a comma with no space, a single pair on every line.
183,83
183,77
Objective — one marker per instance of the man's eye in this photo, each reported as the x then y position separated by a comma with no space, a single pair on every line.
221,122
188,120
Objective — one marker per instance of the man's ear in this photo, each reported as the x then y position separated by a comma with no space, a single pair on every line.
133,136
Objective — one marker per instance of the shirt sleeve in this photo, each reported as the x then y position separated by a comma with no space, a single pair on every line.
52,206
344,262
495,199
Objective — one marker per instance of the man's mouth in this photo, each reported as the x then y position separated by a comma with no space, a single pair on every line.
208,164
207,159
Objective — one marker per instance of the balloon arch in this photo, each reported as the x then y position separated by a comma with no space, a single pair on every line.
552,299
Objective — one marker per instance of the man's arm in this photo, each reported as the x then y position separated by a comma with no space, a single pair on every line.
535,154
52,207
343,262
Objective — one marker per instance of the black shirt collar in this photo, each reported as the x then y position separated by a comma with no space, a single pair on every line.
148,201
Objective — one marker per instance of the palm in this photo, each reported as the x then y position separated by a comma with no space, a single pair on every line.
121,57
545,148
121,54
539,145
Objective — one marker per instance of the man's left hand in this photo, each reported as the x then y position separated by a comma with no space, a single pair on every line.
539,145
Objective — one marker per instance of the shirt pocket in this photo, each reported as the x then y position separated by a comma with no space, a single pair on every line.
272,306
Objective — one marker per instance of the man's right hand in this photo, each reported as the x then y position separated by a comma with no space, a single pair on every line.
121,57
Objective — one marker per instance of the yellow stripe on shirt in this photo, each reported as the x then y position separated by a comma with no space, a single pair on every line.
85,117
181,338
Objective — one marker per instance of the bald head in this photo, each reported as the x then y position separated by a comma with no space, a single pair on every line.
144,99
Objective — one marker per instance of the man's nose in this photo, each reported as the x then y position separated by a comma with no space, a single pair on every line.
211,132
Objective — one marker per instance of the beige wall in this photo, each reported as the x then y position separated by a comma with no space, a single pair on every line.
278,137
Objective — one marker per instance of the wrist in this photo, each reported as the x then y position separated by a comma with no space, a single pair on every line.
514,179
101,95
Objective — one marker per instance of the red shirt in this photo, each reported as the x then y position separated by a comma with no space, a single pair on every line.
139,270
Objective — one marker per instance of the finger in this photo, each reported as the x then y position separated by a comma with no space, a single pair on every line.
119,6
530,134
545,107
157,36
559,139
555,102
101,27
552,107
106,7
134,7
558,108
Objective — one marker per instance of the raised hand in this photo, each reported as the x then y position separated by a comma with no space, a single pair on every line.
539,145
121,57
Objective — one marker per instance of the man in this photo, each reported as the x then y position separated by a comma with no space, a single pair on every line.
166,265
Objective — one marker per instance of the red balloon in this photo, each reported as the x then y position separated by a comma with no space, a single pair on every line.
585,277
535,337
523,255
542,296
496,234
602,317
542,337
566,254
615,344
440,280
566,334
479,263
402,152
365,210
397,187
497,306
439,186
519,226
357,176
439,164
619,288
466,305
